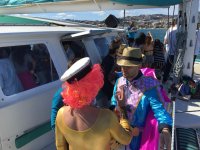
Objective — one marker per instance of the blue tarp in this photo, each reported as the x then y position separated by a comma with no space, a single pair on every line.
149,2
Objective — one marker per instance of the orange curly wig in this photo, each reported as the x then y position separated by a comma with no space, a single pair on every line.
81,93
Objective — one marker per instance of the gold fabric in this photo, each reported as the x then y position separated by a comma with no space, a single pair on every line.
125,124
98,137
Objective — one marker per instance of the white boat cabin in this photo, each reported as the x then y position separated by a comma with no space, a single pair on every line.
46,48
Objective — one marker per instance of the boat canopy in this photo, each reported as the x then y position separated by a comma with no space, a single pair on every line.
19,21
150,2
14,3
48,6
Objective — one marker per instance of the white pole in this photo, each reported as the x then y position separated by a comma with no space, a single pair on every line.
192,7
173,124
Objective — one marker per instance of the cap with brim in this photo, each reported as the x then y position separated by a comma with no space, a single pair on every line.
130,57
77,71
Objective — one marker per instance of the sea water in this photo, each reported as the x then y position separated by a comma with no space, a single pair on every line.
159,33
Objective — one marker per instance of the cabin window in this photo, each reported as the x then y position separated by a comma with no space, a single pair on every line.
74,50
198,58
102,46
25,67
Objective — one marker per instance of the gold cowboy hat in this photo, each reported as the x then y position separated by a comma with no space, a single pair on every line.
130,57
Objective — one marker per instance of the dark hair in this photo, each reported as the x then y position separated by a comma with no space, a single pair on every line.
19,52
148,40
115,44
174,21
140,39
4,52
158,43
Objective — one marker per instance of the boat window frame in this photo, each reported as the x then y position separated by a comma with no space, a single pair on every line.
99,48
31,42
85,34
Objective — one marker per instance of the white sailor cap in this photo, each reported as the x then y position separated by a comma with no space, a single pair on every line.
77,71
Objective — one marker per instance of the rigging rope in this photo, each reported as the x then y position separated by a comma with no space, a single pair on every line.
181,38
179,55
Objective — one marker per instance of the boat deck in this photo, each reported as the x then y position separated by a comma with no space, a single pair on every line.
187,113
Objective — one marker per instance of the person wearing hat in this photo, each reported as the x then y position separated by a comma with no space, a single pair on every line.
81,125
139,96
57,100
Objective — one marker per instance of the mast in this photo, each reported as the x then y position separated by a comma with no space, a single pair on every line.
186,38
191,10
124,17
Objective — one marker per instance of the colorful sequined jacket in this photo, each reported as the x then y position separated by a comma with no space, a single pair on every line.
142,95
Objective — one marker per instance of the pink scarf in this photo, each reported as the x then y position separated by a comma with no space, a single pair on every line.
150,136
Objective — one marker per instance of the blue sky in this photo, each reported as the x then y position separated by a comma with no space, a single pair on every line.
101,15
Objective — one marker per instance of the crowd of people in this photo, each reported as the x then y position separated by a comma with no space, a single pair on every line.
135,119
158,55
135,115
25,67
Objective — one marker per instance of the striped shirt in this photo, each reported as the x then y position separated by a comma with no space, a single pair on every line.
158,54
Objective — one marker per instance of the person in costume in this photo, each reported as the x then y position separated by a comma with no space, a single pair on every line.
81,125
56,104
140,97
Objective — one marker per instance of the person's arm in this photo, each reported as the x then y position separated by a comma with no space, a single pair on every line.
166,38
163,117
121,132
163,48
113,99
118,100
57,103
61,143
149,34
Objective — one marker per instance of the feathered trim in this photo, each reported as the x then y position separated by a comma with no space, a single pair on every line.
81,93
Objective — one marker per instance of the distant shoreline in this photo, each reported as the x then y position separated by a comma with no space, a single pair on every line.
141,21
